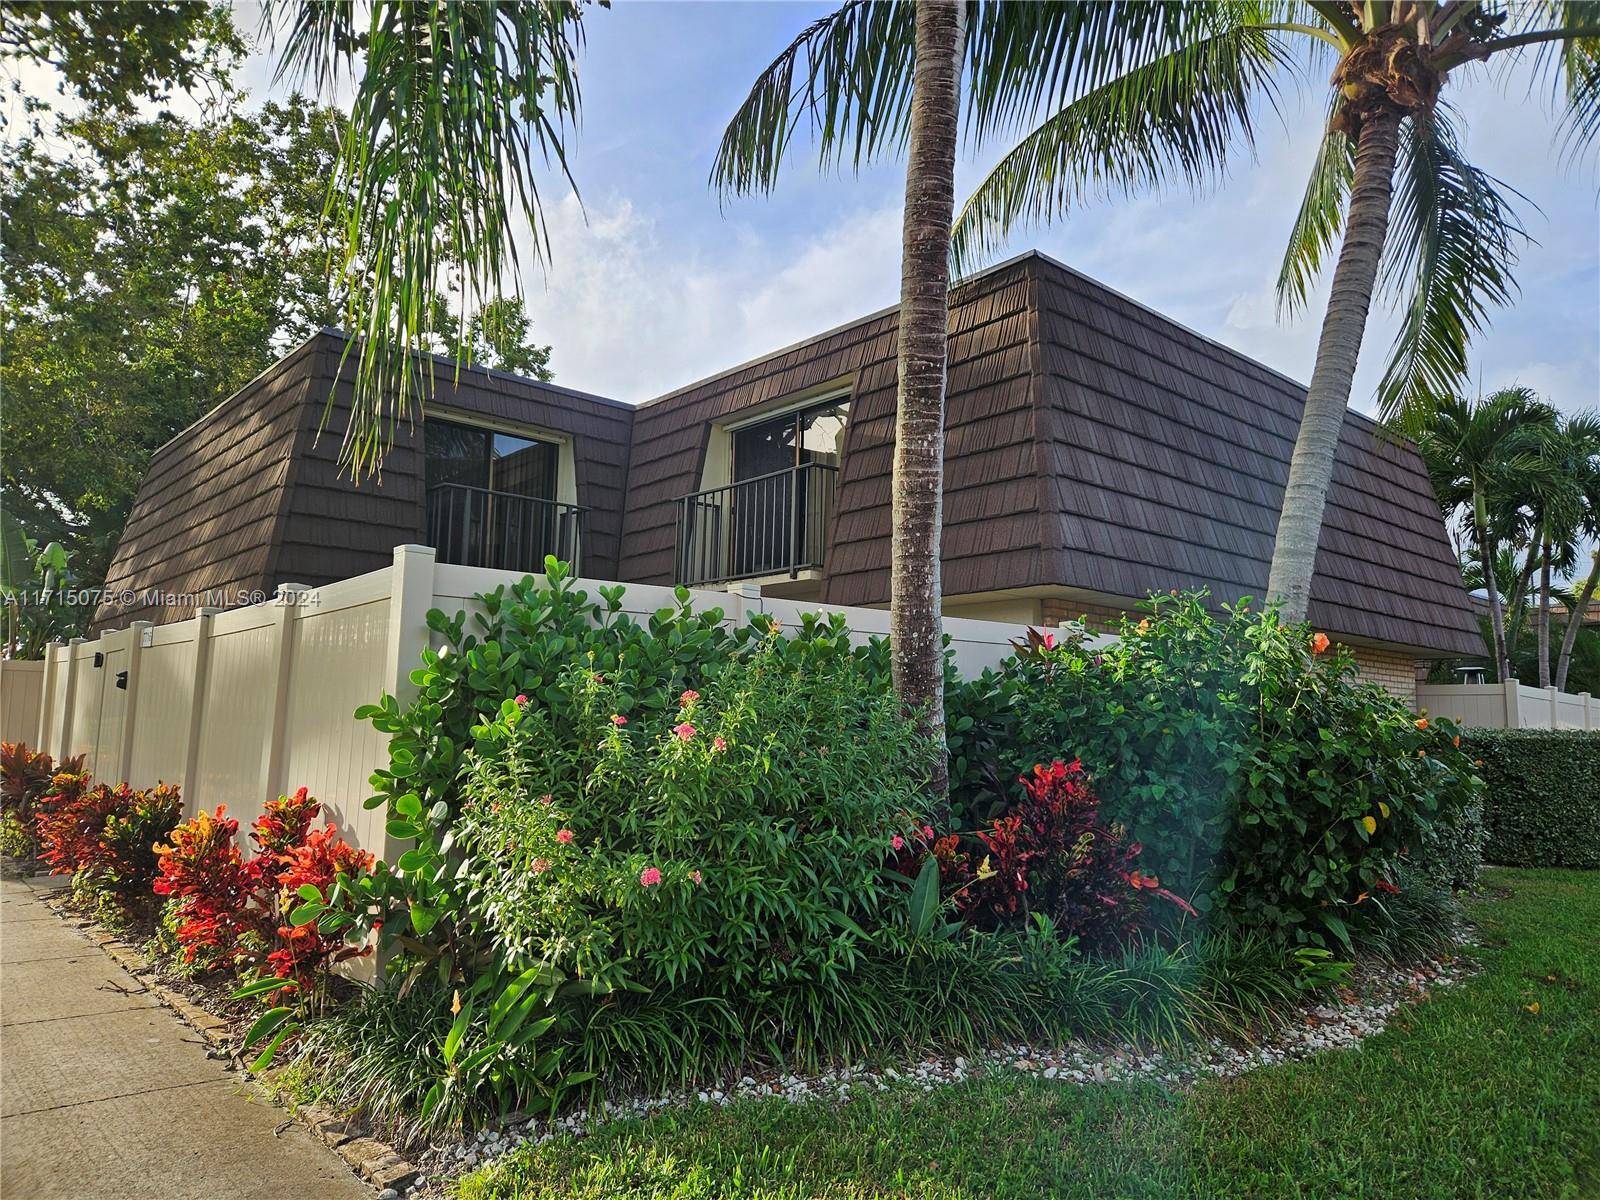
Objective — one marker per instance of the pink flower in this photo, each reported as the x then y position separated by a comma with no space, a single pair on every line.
718,745
649,877
599,678
927,833
618,719
564,836
684,731
541,865
897,842
1049,641
547,798
521,699
695,875
689,697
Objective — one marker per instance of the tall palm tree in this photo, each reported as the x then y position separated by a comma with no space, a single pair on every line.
456,108
1580,445
877,79
1389,151
1471,448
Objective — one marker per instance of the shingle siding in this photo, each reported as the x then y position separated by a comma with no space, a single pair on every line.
1091,446
252,495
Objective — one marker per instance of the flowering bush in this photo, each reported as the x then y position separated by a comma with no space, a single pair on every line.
24,776
104,836
730,845
232,912
1265,784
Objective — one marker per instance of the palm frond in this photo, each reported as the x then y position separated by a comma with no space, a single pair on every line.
455,107
1180,114
847,74
1452,245
1319,225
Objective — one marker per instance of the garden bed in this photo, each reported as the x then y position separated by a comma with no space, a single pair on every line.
1361,1008
1486,1090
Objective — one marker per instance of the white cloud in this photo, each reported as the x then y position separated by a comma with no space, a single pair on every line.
633,314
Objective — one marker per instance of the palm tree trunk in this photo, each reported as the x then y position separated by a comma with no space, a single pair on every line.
916,632
1497,615
1294,557
1544,612
1575,623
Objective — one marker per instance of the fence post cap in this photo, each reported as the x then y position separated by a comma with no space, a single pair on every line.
746,589
411,549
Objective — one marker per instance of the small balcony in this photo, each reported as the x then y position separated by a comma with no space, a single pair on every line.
772,525
476,527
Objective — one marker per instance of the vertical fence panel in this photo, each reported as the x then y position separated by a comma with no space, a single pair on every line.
236,712
163,702
21,698
338,664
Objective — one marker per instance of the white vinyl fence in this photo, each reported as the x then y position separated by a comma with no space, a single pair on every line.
20,687
240,706
1509,705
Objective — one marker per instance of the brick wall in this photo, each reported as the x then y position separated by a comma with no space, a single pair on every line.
1099,618
1396,673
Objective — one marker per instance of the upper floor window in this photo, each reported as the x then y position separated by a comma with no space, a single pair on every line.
792,439
495,462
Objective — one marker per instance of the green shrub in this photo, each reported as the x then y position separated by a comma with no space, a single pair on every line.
1266,785
1542,807
732,845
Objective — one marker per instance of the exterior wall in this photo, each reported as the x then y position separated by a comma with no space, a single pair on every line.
252,495
991,519
1101,618
1393,670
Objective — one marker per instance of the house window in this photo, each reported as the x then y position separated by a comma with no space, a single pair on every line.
495,462
492,498
812,435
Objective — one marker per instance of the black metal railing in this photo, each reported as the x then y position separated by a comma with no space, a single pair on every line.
773,524
474,527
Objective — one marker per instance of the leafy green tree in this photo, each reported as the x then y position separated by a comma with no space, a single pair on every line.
150,270
112,55
497,335
1392,201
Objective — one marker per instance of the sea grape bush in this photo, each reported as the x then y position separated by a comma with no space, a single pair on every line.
232,912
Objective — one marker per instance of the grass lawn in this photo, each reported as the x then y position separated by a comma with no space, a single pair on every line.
1490,1089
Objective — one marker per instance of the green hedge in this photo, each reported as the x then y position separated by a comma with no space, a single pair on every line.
1542,808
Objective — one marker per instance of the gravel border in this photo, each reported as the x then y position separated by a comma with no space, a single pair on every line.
1356,1012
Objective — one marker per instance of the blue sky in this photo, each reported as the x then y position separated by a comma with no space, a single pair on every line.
652,285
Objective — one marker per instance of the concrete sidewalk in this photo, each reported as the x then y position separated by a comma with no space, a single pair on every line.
105,1093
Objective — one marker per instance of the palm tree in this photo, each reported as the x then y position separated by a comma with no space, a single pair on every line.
1471,448
456,107
872,79
1579,448
1389,150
